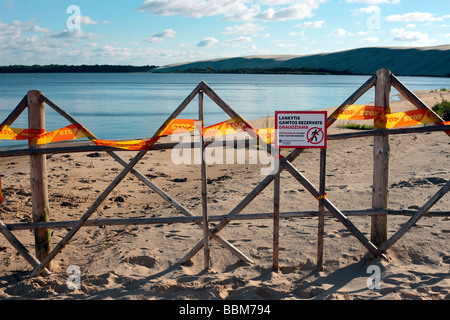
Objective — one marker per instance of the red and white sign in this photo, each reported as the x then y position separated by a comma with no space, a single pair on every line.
301,129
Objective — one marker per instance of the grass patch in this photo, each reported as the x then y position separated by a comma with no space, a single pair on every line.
356,126
443,109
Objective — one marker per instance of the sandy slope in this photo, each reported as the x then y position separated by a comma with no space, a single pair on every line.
402,61
140,262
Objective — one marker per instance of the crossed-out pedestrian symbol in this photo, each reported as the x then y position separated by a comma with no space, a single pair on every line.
315,135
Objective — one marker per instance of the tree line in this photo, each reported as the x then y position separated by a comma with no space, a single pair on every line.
55,68
279,70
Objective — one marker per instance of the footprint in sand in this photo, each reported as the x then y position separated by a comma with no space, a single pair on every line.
145,261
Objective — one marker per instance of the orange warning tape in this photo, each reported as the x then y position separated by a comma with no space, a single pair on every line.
406,119
78,131
8,133
223,128
174,126
235,125
322,197
384,119
360,112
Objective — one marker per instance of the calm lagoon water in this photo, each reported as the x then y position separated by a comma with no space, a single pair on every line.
134,105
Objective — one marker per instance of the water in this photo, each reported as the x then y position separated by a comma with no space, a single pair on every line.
126,106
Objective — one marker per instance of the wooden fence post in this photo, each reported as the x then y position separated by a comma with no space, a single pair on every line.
321,226
38,178
276,220
206,250
381,154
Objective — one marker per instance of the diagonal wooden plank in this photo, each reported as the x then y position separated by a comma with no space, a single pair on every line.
88,214
333,210
151,185
20,247
21,106
241,206
422,211
411,96
353,98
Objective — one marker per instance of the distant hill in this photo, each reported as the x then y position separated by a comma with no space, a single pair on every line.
402,61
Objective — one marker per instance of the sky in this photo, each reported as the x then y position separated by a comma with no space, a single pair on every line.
162,32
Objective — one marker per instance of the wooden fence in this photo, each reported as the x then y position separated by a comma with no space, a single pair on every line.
378,243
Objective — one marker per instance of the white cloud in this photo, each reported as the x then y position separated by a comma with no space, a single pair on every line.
374,1
372,39
207,42
76,34
286,45
338,33
87,20
414,16
236,42
107,51
246,28
17,47
311,24
159,37
229,9
300,34
276,2
368,10
297,11
415,37
36,29
237,10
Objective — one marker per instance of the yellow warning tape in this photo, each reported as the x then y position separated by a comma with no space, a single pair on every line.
406,119
8,133
78,131
384,119
235,125
360,112
322,197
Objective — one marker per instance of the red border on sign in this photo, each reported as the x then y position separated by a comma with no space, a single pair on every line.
324,113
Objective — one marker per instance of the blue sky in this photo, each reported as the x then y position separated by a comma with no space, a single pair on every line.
160,32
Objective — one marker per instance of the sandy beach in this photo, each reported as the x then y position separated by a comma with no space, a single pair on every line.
141,262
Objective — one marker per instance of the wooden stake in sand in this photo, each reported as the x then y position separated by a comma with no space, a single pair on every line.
206,250
381,154
38,178
276,219
323,164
